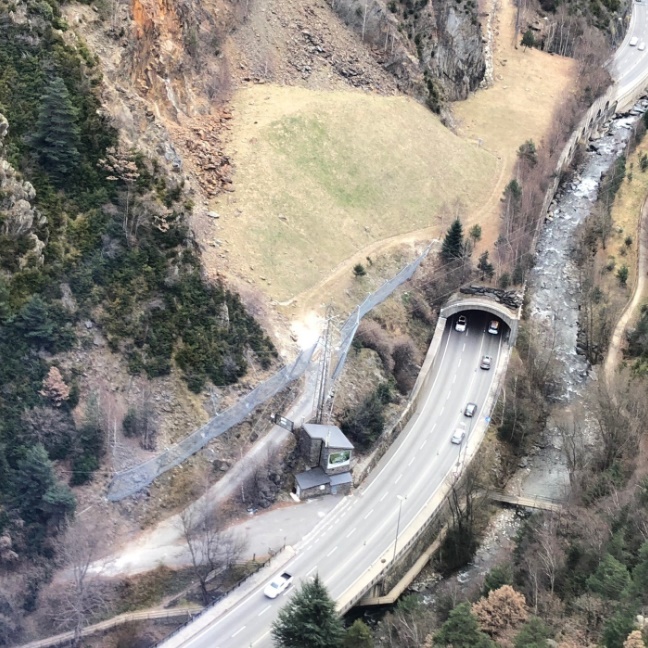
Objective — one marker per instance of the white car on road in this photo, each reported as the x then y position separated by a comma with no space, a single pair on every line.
459,435
462,323
278,585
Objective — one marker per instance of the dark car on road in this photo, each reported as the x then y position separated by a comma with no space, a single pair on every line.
470,410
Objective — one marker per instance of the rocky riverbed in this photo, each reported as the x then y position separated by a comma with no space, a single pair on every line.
553,295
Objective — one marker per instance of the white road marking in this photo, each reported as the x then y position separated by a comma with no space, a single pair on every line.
265,609
368,514
330,553
238,631
398,479
384,495
348,535
261,638
422,444
463,348
459,363
411,461
423,408
308,573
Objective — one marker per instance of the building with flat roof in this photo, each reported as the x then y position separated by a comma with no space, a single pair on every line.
328,452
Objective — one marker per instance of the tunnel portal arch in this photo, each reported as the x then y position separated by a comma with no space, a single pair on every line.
473,302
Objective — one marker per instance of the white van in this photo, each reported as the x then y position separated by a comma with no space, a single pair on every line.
633,41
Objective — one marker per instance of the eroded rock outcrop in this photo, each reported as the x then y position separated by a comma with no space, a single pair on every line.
434,47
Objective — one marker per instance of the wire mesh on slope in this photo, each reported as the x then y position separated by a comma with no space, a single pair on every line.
129,482
349,328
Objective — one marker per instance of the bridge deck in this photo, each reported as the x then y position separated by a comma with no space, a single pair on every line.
542,503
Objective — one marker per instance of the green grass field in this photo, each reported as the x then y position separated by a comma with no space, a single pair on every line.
320,176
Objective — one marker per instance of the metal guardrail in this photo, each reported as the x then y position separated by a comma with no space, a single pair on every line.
98,628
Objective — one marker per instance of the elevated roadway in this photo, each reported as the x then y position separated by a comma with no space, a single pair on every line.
629,66
359,537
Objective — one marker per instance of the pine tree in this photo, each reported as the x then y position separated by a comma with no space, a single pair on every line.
610,580
37,494
528,40
309,620
57,133
461,630
453,244
534,634
358,636
485,266
640,575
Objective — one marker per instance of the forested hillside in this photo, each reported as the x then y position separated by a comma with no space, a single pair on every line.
93,234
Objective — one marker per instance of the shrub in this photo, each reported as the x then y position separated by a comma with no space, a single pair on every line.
359,270
622,274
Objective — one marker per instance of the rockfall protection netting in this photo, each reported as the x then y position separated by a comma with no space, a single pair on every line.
128,482
349,328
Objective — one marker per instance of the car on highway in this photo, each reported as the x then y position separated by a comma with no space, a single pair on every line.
642,47
470,410
633,41
459,435
462,323
278,585
485,362
493,327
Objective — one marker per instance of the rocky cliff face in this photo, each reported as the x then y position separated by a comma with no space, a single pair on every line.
18,219
451,46
434,47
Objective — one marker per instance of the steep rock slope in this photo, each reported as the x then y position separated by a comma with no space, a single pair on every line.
433,47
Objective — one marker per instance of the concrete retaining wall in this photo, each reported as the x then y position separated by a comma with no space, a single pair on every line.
360,473
419,525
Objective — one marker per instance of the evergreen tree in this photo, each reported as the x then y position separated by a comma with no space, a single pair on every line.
640,575
57,133
528,40
461,630
618,627
453,244
309,620
534,634
358,636
485,266
610,580
37,494
496,577
58,502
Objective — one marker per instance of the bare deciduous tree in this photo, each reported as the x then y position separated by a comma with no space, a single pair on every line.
74,603
213,549
573,448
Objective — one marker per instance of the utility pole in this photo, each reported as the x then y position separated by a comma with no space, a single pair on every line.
324,368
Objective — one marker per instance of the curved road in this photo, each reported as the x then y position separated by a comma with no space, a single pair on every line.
629,64
363,526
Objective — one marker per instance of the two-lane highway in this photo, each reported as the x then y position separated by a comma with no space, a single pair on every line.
362,528
628,67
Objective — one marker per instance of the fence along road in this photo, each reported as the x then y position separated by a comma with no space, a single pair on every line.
130,481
